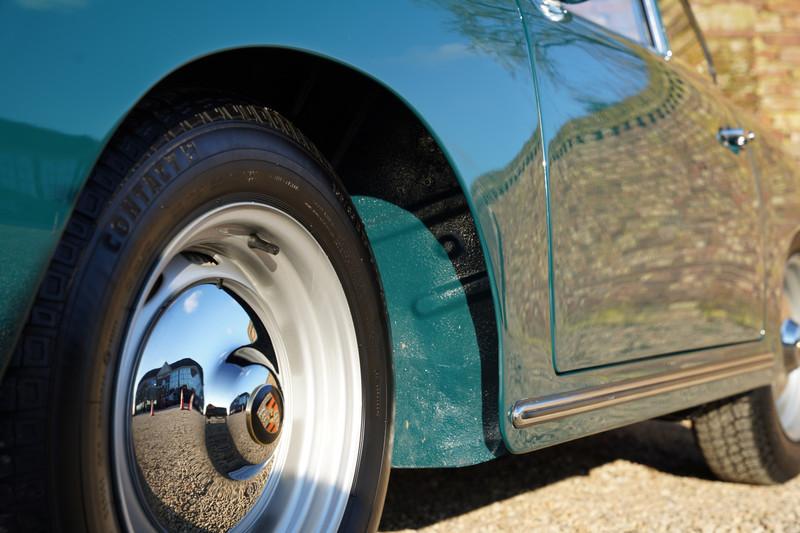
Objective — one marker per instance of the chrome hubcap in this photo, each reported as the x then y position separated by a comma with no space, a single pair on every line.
223,396
240,380
787,388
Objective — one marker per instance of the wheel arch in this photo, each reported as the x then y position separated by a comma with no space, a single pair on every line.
422,229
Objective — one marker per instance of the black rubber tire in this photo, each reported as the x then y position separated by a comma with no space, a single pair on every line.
56,395
743,441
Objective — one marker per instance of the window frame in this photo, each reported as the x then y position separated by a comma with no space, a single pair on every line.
652,19
658,33
698,33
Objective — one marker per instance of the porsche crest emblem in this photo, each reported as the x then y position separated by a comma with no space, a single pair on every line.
269,414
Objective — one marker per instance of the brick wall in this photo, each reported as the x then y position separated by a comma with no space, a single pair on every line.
756,48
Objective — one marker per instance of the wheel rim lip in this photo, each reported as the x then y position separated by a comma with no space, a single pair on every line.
136,514
786,391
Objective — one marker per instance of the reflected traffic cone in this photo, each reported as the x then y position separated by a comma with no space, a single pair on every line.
151,407
181,399
191,402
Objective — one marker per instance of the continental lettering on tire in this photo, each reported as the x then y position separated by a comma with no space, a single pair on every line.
139,197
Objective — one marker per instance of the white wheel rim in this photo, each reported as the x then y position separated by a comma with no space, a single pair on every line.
298,298
787,389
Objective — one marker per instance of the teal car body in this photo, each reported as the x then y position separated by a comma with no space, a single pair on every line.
620,243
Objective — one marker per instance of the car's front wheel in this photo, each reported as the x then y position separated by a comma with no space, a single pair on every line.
220,358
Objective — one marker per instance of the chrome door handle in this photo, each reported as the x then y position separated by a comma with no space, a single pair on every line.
551,9
735,138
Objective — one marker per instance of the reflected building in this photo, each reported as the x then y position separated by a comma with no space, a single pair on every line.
212,411
194,461
239,403
654,227
649,225
171,385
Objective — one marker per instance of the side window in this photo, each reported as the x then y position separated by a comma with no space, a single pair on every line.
684,39
626,17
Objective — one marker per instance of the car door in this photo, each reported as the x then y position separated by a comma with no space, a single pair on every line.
654,224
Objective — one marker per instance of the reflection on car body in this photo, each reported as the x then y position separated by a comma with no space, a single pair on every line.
361,250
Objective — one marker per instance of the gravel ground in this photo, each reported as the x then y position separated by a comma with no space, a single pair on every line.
647,477
203,499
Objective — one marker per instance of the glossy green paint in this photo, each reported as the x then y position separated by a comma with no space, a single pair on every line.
437,366
41,170
632,167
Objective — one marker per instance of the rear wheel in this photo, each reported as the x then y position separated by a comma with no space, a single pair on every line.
221,358
755,437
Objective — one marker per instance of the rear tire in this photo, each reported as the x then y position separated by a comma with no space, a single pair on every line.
742,440
176,158
755,437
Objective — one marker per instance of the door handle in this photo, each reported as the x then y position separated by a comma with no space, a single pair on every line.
735,138
552,10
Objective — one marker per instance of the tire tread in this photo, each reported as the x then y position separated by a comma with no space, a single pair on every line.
735,442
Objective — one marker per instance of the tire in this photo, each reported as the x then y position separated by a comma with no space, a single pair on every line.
70,460
755,437
743,441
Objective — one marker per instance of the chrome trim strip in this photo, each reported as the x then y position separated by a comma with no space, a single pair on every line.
653,17
533,411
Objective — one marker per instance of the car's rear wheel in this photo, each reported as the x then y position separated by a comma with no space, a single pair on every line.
221,356
755,437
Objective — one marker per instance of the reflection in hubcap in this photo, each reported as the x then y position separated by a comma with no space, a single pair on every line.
207,408
240,338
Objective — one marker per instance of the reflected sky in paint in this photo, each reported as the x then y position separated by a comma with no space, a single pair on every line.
472,52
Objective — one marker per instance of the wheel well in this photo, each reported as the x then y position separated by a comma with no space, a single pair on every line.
378,148
376,144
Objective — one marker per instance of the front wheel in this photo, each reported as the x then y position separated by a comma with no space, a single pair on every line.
223,353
